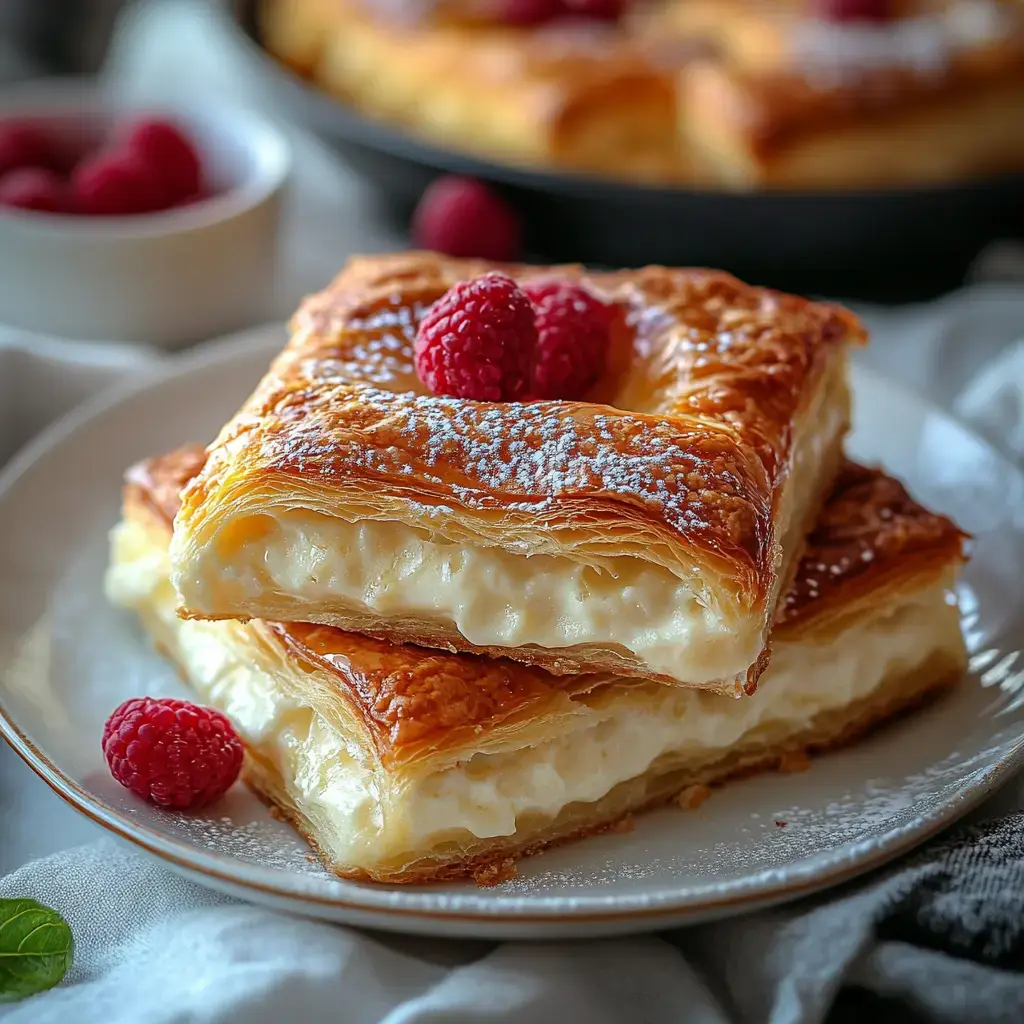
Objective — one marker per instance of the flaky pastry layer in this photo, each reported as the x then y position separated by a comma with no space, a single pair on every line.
722,93
345,495
790,102
581,97
403,765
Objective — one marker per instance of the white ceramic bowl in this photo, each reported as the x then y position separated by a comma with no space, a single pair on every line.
168,278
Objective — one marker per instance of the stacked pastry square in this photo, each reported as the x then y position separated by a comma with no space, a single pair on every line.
452,632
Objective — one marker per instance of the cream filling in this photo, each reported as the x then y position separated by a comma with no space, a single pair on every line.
495,598
300,560
332,783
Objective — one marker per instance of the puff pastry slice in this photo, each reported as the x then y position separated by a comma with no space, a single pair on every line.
402,764
646,531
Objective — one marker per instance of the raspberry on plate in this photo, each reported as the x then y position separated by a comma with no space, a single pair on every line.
172,752
25,145
573,334
34,188
464,217
477,341
165,148
116,183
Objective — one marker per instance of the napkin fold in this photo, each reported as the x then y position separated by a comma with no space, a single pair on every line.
157,948
939,938
993,402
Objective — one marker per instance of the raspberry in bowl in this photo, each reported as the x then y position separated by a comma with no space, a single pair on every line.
135,224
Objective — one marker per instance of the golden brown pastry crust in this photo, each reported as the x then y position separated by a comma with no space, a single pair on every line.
585,97
762,115
894,697
696,92
870,538
872,542
681,457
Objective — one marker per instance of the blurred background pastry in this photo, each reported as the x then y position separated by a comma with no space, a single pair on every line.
713,93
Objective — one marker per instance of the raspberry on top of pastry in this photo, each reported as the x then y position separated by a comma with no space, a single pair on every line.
402,470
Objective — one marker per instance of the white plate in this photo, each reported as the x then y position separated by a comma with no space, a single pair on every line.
66,659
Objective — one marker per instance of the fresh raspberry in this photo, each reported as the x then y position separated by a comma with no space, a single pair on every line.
573,334
34,188
169,152
527,12
114,183
172,752
477,341
854,10
599,10
465,217
25,145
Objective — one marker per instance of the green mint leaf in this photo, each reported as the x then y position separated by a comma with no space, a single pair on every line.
35,949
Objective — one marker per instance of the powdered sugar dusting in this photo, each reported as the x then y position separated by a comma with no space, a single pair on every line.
694,440
530,456
266,842
924,45
400,11
376,347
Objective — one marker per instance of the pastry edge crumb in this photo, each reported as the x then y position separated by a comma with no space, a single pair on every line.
794,761
496,872
693,796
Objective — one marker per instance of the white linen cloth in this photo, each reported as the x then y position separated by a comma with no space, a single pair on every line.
154,948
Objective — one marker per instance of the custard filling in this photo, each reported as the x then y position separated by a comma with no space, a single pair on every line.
616,736
292,563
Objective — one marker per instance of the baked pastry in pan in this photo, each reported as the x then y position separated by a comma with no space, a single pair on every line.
933,94
580,97
645,532
401,764
721,93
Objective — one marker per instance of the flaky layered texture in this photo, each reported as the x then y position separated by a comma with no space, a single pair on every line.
585,98
646,531
789,102
721,93
405,765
